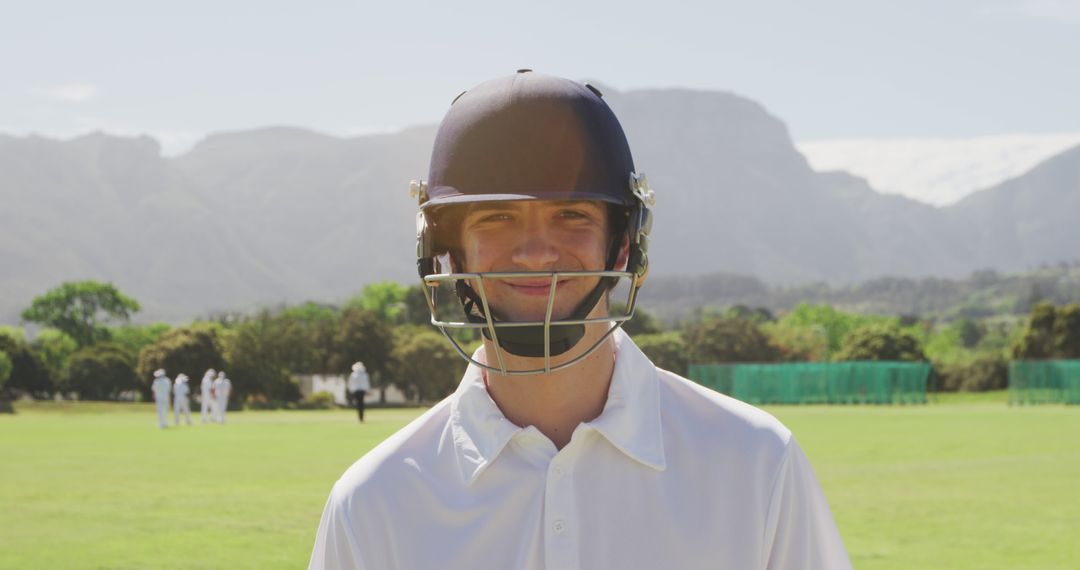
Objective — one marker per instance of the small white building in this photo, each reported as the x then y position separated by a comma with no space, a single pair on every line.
335,385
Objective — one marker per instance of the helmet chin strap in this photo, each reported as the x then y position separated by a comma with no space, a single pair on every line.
529,341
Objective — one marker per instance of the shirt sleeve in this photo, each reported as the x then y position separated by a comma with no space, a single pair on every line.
336,544
800,531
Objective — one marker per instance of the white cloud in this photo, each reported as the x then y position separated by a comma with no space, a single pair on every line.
1061,11
74,92
936,171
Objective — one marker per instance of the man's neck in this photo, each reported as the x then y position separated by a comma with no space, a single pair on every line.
558,401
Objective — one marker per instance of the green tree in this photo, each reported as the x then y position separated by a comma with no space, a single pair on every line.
5,369
1037,339
5,373
256,361
727,339
796,343
985,372
425,365
881,342
308,332
29,374
970,332
1066,332
833,324
137,337
80,308
17,333
55,348
190,350
643,322
366,337
100,372
757,315
666,350
386,299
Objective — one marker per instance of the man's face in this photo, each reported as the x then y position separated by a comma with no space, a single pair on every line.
535,235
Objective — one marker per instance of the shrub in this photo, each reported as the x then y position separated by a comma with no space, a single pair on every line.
666,350
100,372
318,401
29,374
987,372
728,339
189,350
5,369
881,342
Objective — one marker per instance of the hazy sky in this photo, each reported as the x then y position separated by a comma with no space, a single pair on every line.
836,69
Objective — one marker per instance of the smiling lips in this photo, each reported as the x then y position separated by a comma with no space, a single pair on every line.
534,287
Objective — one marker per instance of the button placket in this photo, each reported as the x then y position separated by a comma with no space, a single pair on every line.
560,537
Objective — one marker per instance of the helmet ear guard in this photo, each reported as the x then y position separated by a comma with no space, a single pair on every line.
425,241
640,227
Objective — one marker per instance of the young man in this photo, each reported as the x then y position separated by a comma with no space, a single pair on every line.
564,446
161,386
181,402
358,386
222,389
207,391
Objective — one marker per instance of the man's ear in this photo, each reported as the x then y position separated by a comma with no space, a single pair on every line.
624,253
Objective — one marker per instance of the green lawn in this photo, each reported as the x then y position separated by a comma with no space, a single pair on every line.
956,484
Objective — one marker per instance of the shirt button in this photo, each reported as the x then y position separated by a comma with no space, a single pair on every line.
558,526
558,471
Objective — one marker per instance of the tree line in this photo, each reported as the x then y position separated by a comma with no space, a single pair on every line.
87,346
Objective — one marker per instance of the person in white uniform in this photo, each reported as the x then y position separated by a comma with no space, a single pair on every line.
358,386
563,446
222,388
161,386
206,396
181,401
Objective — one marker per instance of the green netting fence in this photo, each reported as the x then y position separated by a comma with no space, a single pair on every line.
818,382
1044,382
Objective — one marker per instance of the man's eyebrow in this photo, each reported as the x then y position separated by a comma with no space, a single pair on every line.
486,207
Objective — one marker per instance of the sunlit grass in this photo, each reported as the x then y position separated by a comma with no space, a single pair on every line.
957,484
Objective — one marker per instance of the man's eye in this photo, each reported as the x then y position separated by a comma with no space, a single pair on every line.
572,214
495,218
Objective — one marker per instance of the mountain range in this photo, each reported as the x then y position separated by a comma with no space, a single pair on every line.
281,215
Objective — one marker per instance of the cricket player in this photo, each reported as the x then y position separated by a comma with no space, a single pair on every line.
222,388
181,402
207,396
358,386
161,387
563,446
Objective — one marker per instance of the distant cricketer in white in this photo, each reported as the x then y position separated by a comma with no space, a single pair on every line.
206,396
222,389
161,388
563,446
181,402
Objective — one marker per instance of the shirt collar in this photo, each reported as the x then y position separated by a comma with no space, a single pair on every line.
630,420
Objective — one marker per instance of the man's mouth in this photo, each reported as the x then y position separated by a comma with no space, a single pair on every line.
534,287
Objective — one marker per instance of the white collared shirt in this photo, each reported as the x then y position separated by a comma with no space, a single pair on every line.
670,475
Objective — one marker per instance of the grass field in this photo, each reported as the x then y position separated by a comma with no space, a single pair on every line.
960,483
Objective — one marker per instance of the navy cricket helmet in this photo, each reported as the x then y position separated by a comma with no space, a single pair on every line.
530,136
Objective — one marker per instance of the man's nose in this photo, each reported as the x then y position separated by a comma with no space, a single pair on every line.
535,251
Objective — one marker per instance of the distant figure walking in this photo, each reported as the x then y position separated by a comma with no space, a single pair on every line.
358,386
161,387
207,394
222,388
181,402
